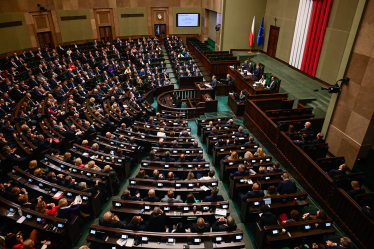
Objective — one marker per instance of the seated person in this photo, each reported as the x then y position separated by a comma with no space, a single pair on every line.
240,130
194,145
157,175
67,212
199,158
170,198
83,187
255,193
251,140
307,127
337,172
214,197
240,172
356,190
367,212
172,177
275,168
345,242
157,220
214,132
160,143
152,156
141,174
167,157
200,226
179,228
182,159
191,199
70,183
272,191
267,218
319,139
286,186
151,196
41,207
161,133
320,215
190,176
110,220
295,217
137,223
223,224
304,141
126,196
209,177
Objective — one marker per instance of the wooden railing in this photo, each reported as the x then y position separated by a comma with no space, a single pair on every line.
183,94
345,211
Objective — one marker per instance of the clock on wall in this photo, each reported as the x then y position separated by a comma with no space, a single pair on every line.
159,16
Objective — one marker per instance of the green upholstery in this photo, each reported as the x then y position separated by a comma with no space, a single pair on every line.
268,77
262,69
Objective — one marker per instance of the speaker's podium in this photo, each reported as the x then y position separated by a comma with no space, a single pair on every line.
204,92
236,105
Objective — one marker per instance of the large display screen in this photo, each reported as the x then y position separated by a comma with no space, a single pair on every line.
188,20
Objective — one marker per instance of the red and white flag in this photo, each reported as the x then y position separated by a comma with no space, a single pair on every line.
252,35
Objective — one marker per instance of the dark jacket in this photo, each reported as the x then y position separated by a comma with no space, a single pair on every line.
113,223
151,199
352,193
157,224
221,226
195,229
211,198
286,187
268,219
253,194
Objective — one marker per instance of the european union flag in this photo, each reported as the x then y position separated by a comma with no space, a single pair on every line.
260,37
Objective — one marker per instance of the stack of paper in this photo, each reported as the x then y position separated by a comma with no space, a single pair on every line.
58,195
221,212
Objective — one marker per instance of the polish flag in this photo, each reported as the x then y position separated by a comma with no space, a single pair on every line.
251,36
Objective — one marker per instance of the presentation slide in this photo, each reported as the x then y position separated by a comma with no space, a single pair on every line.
188,20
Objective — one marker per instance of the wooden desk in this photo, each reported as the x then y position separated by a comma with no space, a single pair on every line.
245,83
189,82
211,105
224,90
202,89
212,140
157,240
237,108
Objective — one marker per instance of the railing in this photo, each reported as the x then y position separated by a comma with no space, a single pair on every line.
191,113
345,211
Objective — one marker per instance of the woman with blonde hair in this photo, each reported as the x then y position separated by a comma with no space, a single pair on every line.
262,170
91,165
210,124
248,155
78,163
67,158
85,144
127,70
41,207
260,152
95,147
38,172
190,176
33,164
233,156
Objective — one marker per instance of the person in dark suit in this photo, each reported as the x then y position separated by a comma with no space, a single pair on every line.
199,158
273,84
367,212
319,139
240,172
157,220
286,186
213,84
67,212
137,223
356,190
337,172
151,196
152,156
126,196
167,157
275,169
304,141
245,66
172,177
108,220
43,144
345,243
257,71
307,127
267,218
182,158
160,143
178,102
59,179
70,183
83,187
200,227
214,197
255,193
223,224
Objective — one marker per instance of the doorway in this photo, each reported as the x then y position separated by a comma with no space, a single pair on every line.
106,34
160,32
45,39
273,40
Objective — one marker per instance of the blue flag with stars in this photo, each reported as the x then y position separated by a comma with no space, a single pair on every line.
260,37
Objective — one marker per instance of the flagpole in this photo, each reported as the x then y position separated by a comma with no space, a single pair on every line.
258,48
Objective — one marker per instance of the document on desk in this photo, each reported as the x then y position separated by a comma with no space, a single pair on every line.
21,220
205,188
78,199
130,242
121,242
58,195
221,211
